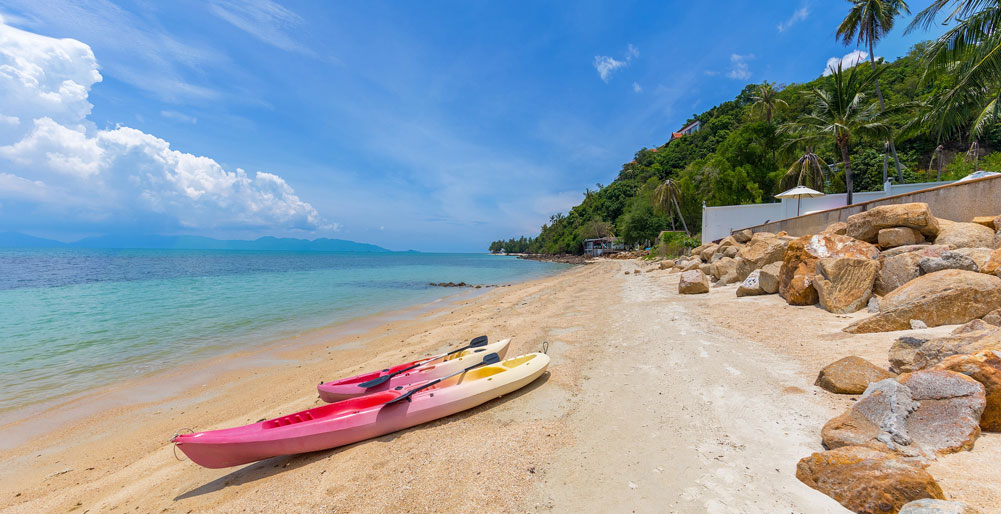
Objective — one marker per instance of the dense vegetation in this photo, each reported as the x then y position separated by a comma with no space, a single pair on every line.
769,138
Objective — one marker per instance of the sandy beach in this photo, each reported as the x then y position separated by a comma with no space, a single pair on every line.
654,402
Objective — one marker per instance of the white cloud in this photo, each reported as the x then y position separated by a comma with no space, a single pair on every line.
799,15
607,65
179,116
59,163
263,19
738,67
848,61
637,88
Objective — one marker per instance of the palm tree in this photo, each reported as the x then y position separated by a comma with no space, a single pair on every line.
971,53
667,195
808,170
843,113
866,23
765,101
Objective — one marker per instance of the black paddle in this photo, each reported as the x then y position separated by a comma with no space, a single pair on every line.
475,343
490,358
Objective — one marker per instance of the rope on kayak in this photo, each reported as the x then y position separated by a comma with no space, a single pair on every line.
175,444
545,347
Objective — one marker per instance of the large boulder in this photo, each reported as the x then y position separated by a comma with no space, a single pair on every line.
693,282
851,375
929,353
742,236
899,236
920,414
926,250
903,352
751,286
949,297
866,225
731,251
965,235
979,256
722,266
896,271
770,277
974,326
844,285
666,264
840,228
948,260
931,506
760,252
800,261
984,367
705,268
867,480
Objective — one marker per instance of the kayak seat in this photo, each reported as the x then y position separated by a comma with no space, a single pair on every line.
334,409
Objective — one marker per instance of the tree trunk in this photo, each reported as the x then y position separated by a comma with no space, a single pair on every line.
882,107
849,178
682,216
886,160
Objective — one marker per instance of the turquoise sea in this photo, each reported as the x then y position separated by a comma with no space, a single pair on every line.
72,319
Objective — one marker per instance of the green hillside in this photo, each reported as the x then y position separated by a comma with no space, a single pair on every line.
741,157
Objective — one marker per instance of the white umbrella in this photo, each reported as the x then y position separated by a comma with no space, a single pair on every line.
798,193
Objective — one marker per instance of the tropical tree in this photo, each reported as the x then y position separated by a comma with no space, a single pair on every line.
866,23
971,53
765,101
807,171
843,112
666,196
937,157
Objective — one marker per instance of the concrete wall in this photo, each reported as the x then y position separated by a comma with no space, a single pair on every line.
719,222
957,201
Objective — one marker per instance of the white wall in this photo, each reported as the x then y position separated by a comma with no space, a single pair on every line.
719,222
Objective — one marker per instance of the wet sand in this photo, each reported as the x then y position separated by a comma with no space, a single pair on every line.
654,402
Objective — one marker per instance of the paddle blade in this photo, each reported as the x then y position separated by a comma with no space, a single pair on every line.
478,342
375,381
492,358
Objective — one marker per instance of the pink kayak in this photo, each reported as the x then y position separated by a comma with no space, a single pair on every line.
357,419
346,388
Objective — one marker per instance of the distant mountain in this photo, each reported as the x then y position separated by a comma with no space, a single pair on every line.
18,240
323,244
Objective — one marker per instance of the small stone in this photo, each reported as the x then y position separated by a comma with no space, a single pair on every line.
899,236
917,324
873,305
930,506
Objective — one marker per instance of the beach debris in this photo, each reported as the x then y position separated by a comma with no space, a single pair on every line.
919,414
931,506
844,285
965,235
850,375
942,298
948,260
799,264
693,282
867,480
866,225
899,236
984,367
58,473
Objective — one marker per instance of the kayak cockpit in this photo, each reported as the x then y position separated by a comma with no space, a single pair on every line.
332,410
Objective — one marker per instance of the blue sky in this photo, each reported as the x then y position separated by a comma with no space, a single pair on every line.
413,125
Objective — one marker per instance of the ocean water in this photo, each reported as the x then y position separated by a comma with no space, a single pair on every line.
72,319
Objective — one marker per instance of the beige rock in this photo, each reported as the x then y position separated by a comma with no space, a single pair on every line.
722,266
987,221
897,271
692,265
782,233
760,252
948,260
708,251
693,282
838,228
850,375
993,263
769,277
903,352
705,268
731,251
751,286
844,285
666,264
984,367
931,506
800,260
742,236
934,351
920,414
697,251
899,236
927,250
966,235
758,236
974,326
727,242
727,279
866,480
993,318
866,225
949,297
979,256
